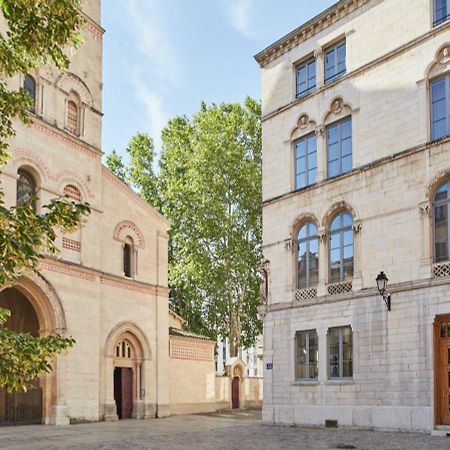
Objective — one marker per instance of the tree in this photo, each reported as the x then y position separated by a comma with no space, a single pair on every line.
139,173
37,33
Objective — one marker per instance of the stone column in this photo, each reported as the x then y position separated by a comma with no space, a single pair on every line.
110,402
59,414
321,153
320,68
426,227
323,262
357,256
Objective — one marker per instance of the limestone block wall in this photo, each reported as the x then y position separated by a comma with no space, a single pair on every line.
393,375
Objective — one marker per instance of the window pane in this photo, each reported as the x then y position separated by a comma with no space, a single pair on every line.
347,220
346,146
301,355
301,165
303,231
332,135
346,164
333,338
301,148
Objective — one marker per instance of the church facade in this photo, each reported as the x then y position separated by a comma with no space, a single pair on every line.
107,288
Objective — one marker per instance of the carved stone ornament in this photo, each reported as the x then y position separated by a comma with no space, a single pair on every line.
444,56
320,131
304,121
289,244
425,209
337,105
318,52
264,281
322,236
356,227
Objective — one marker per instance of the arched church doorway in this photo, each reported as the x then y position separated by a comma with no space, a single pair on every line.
26,407
125,380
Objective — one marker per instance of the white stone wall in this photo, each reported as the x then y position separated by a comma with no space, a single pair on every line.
392,53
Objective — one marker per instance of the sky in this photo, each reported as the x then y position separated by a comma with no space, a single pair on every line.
162,58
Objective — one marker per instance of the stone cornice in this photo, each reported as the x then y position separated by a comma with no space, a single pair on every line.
91,274
360,70
92,26
317,24
364,293
364,168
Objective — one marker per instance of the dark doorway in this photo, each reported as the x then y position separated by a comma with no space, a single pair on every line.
26,407
123,392
235,393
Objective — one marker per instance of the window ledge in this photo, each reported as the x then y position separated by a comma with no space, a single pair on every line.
306,383
344,381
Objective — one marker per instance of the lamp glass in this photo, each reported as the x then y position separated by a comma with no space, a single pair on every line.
382,282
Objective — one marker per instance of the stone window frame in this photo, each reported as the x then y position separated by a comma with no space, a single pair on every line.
306,62
334,48
129,253
339,123
307,240
307,333
32,176
341,376
73,100
308,170
31,86
435,204
436,22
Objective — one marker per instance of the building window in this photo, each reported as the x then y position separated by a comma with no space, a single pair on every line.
124,350
305,161
341,248
26,189
306,77
29,84
441,10
440,220
440,103
340,351
307,355
307,256
129,256
72,117
72,192
335,65
339,143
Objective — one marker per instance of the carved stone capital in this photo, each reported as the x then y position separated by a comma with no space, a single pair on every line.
322,236
320,131
318,52
357,226
425,209
289,244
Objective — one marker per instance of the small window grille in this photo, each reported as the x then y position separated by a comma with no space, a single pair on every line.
124,350
72,192
72,117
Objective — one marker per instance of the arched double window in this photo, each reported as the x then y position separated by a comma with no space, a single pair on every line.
307,247
26,189
440,220
341,248
29,84
128,258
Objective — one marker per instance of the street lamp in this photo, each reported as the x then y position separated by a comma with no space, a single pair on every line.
382,281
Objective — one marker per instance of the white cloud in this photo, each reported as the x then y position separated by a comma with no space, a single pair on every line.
240,14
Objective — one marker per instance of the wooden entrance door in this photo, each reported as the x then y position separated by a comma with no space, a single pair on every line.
24,408
443,372
123,392
235,393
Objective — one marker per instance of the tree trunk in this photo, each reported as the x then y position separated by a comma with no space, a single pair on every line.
235,335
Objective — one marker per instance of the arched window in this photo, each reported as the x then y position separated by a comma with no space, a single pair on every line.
307,256
440,220
72,192
341,248
128,256
29,84
72,117
124,349
26,189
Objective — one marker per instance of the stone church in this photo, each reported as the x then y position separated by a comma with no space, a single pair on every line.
108,286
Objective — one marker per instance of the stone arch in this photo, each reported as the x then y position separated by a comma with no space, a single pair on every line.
32,162
337,208
441,177
303,127
128,228
65,176
69,82
338,110
440,64
299,221
131,331
52,320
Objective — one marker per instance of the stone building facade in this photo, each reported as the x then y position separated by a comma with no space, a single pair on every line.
108,286
356,170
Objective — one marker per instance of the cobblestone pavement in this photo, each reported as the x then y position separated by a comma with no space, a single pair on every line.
240,430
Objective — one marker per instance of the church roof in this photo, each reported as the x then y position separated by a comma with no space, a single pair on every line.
184,333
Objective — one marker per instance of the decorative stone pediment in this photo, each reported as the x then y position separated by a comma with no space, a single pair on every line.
304,126
441,63
338,110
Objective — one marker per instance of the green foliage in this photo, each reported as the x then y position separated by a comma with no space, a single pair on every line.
209,187
38,32
139,174
24,358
